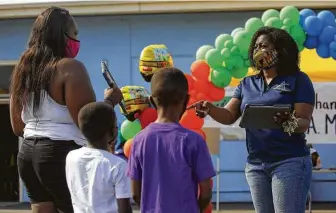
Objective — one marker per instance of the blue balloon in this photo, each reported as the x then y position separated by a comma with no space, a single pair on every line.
323,51
304,14
327,35
327,18
311,42
332,49
313,26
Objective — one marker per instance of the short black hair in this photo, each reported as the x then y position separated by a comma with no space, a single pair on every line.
95,120
169,87
286,47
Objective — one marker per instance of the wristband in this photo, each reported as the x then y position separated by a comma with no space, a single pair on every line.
109,102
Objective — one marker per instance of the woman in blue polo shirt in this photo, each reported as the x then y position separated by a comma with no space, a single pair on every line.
279,168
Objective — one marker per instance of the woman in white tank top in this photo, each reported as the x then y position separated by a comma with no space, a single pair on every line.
48,89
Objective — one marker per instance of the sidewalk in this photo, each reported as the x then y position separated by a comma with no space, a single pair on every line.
225,208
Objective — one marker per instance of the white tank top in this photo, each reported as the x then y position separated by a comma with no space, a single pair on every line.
53,121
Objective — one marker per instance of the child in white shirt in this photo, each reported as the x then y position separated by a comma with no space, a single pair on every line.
96,178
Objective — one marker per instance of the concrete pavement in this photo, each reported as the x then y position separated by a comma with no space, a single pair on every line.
225,208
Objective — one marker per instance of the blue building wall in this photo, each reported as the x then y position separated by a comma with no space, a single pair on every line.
120,39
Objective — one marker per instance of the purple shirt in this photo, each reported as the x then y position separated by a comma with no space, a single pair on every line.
170,161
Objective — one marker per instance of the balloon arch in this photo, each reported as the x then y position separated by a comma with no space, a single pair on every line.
215,66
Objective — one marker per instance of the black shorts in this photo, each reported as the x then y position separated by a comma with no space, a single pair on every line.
41,164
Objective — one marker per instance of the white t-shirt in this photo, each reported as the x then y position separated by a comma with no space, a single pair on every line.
96,178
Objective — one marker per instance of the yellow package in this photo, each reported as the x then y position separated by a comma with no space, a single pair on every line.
136,99
152,58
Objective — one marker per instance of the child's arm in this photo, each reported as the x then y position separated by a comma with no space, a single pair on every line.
123,189
205,194
204,171
135,172
136,189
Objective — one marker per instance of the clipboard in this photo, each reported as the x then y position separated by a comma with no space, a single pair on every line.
262,117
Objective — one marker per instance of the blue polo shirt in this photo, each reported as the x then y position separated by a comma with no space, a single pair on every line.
271,145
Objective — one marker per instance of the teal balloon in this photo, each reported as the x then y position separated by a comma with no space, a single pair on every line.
129,129
220,77
269,14
290,12
200,54
235,31
239,73
298,34
229,44
214,58
221,39
242,40
274,22
253,24
225,53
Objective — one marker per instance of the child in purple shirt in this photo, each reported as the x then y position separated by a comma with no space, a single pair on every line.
167,161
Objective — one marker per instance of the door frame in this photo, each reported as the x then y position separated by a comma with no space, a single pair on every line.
4,98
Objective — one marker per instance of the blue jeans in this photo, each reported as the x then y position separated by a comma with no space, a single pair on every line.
280,187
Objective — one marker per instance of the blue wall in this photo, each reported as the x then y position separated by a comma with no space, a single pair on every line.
120,39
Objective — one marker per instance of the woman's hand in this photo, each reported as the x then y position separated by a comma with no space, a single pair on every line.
202,108
113,95
281,117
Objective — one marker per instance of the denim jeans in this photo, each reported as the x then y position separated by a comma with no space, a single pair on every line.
280,187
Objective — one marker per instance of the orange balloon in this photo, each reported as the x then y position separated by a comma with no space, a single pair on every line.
202,97
127,147
216,93
191,81
201,86
193,93
190,120
200,132
191,101
200,70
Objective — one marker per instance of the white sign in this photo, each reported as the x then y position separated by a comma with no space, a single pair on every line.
322,128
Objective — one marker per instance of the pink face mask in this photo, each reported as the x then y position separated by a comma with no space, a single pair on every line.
72,48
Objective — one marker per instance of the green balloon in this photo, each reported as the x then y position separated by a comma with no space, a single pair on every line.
229,44
288,22
200,54
274,22
220,77
269,14
233,33
120,137
290,12
235,50
239,62
233,62
214,58
300,46
239,72
242,40
298,33
129,129
287,28
221,39
247,63
253,24
225,53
